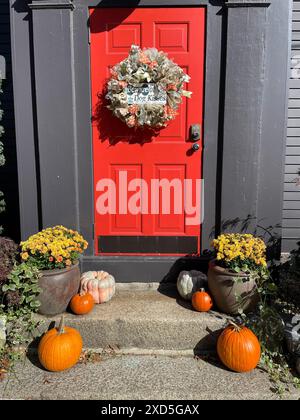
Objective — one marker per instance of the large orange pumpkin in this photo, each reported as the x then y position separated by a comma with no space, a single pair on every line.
201,301
82,304
238,348
60,348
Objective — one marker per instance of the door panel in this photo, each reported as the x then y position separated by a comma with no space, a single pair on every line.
131,157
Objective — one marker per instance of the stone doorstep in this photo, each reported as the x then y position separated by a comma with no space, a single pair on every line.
143,321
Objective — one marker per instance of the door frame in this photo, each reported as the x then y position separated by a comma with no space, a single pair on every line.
72,203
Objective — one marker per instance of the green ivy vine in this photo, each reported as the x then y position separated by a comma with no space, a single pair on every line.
18,303
268,326
2,158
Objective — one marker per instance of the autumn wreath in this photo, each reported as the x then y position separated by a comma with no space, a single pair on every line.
146,88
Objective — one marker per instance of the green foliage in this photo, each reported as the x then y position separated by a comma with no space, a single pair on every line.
289,278
268,326
19,302
8,251
2,208
8,358
275,363
2,159
267,322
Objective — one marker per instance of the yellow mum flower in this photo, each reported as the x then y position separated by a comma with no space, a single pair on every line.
56,243
241,247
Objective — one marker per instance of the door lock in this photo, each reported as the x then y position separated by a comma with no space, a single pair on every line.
195,132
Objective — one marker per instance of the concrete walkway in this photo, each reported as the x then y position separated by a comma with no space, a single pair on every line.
138,377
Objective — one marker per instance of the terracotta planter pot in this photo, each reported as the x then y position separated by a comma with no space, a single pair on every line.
58,288
225,289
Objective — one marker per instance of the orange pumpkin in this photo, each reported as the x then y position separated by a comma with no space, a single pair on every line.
201,301
82,304
238,348
60,348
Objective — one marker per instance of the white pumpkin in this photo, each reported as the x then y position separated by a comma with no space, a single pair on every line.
100,284
189,282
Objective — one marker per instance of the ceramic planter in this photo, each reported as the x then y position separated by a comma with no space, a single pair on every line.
231,291
58,287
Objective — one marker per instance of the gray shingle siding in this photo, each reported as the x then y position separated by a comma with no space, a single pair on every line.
291,206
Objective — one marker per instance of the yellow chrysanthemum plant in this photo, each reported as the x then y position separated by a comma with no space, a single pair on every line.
241,253
54,247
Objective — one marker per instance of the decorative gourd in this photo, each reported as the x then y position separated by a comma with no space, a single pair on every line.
60,348
82,304
190,282
238,348
99,284
201,301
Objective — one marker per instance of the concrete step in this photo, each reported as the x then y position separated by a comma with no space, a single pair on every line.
138,378
145,319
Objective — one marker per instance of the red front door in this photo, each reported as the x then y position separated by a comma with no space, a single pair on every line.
137,219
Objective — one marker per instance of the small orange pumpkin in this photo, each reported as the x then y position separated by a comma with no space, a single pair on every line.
82,304
60,348
238,348
201,301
